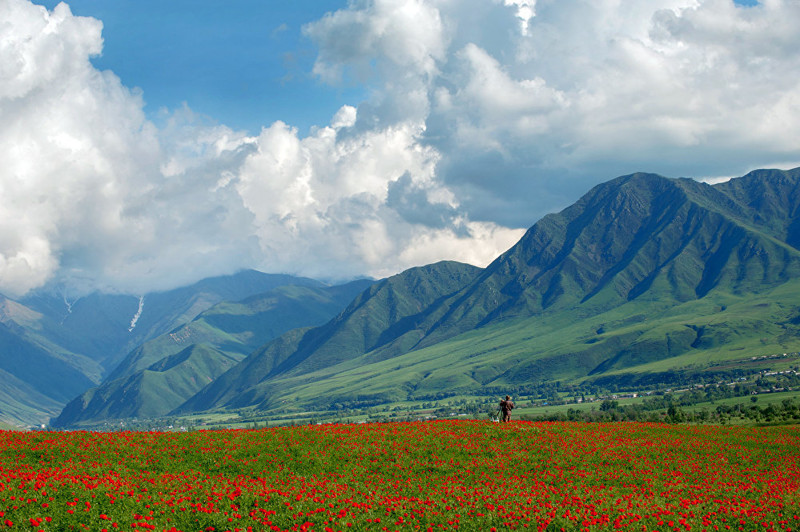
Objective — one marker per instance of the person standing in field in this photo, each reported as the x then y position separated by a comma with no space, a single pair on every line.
506,406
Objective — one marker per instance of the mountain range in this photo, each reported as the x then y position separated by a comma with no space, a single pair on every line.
54,347
645,279
164,372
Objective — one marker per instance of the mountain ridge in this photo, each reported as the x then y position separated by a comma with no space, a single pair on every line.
643,278
641,242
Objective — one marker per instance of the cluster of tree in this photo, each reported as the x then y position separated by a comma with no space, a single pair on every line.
788,411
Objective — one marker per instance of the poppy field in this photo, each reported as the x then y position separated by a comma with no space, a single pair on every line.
445,475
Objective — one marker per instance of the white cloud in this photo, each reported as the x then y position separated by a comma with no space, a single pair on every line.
91,190
321,203
345,117
542,99
95,194
481,116
66,131
526,10
407,33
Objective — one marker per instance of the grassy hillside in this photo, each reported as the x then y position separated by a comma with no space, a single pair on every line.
54,346
36,375
153,391
22,405
638,344
384,313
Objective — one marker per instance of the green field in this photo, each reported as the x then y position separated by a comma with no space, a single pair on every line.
442,475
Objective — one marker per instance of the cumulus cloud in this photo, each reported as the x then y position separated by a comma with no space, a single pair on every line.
325,205
95,195
481,117
530,102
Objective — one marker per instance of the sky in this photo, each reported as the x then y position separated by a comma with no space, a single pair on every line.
147,145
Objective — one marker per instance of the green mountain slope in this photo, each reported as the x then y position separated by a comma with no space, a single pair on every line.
151,392
636,236
183,361
23,405
640,345
53,347
387,312
643,275
239,327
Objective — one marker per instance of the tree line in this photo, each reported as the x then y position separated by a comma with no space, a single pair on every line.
668,409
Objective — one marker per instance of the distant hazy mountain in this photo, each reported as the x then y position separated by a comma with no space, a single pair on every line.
644,278
53,347
107,327
164,372
37,375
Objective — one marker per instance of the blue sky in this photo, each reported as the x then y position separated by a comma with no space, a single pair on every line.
149,144
244,62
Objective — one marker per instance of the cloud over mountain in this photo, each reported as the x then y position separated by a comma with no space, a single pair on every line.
481,117
530,101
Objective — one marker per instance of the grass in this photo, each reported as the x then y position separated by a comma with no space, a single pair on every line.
465,475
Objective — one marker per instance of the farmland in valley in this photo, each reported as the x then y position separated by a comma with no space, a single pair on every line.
466,475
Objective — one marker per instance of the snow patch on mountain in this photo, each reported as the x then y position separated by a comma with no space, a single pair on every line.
137,315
